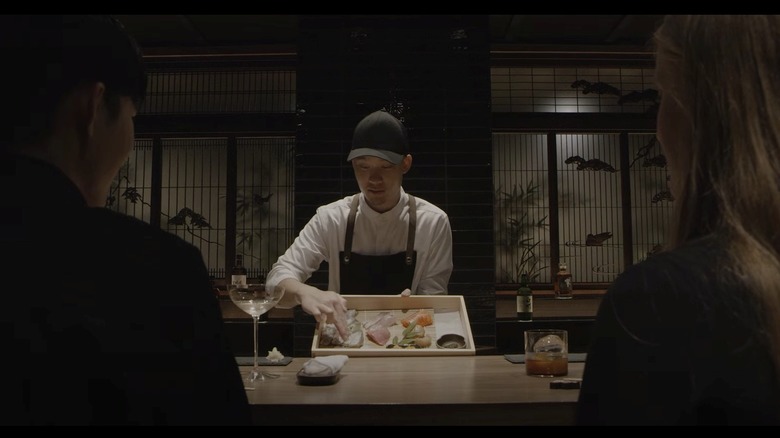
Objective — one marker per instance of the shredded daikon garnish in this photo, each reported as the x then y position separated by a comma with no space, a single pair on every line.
274,355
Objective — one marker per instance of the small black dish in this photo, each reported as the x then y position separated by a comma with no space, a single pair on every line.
451,340
305,380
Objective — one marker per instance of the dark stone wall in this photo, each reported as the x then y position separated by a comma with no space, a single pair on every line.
433,72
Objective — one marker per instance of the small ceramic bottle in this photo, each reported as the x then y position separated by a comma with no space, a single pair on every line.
562,285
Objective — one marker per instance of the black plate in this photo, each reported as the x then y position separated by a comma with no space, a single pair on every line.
317,380
263,361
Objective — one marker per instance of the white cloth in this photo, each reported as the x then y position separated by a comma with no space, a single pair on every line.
324,366
375,234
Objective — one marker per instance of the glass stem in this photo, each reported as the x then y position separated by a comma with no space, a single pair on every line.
254,322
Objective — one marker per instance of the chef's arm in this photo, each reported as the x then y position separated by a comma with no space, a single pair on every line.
437,268
292,292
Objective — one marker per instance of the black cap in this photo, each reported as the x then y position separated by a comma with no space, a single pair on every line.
381,135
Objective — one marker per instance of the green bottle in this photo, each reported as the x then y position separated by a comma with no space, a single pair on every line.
525,300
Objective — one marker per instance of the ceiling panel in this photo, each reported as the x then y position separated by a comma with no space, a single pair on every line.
560,29
235,29
161,30
209,31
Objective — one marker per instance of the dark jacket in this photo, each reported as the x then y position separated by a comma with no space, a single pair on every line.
105,319
676,342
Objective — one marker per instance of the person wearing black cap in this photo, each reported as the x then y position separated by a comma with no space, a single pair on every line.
379,241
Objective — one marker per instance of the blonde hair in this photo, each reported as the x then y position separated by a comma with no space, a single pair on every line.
727,70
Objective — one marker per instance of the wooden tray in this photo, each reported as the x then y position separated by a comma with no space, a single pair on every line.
449,317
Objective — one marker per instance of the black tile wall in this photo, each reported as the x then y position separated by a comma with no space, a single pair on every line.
435,72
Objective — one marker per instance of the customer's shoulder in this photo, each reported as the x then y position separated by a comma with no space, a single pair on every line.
684,273
697,258
132,233
690,287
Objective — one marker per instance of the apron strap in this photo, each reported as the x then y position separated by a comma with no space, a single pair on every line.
410,235
412,228
350,227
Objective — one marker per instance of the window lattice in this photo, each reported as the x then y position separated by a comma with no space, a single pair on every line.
264,200
573,90
194,181
220,92
521,221
131,190
193,195
590,206
651,201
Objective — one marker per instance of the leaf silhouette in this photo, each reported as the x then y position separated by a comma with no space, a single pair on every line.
132,195
177,220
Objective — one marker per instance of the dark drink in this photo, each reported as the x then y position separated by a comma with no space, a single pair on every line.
546,352
546,364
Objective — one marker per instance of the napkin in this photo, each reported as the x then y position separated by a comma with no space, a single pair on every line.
324,366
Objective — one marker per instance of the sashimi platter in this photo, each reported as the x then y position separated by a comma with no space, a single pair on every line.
392,325
412,328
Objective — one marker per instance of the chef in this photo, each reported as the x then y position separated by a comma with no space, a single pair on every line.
379,241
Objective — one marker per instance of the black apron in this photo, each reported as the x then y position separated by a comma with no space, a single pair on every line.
377,275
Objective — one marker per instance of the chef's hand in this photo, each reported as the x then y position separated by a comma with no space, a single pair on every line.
327,307
324,306
406,292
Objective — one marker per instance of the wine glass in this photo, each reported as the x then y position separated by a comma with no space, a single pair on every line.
255,300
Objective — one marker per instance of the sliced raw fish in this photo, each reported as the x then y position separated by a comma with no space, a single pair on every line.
378,334
383,319
329,336
421,318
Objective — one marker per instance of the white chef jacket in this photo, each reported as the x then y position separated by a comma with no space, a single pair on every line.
375,234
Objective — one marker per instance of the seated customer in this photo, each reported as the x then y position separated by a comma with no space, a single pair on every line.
105,319
692,335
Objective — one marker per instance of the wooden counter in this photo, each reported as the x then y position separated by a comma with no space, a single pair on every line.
453,390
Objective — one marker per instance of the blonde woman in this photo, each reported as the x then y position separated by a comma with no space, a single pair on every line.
692,335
